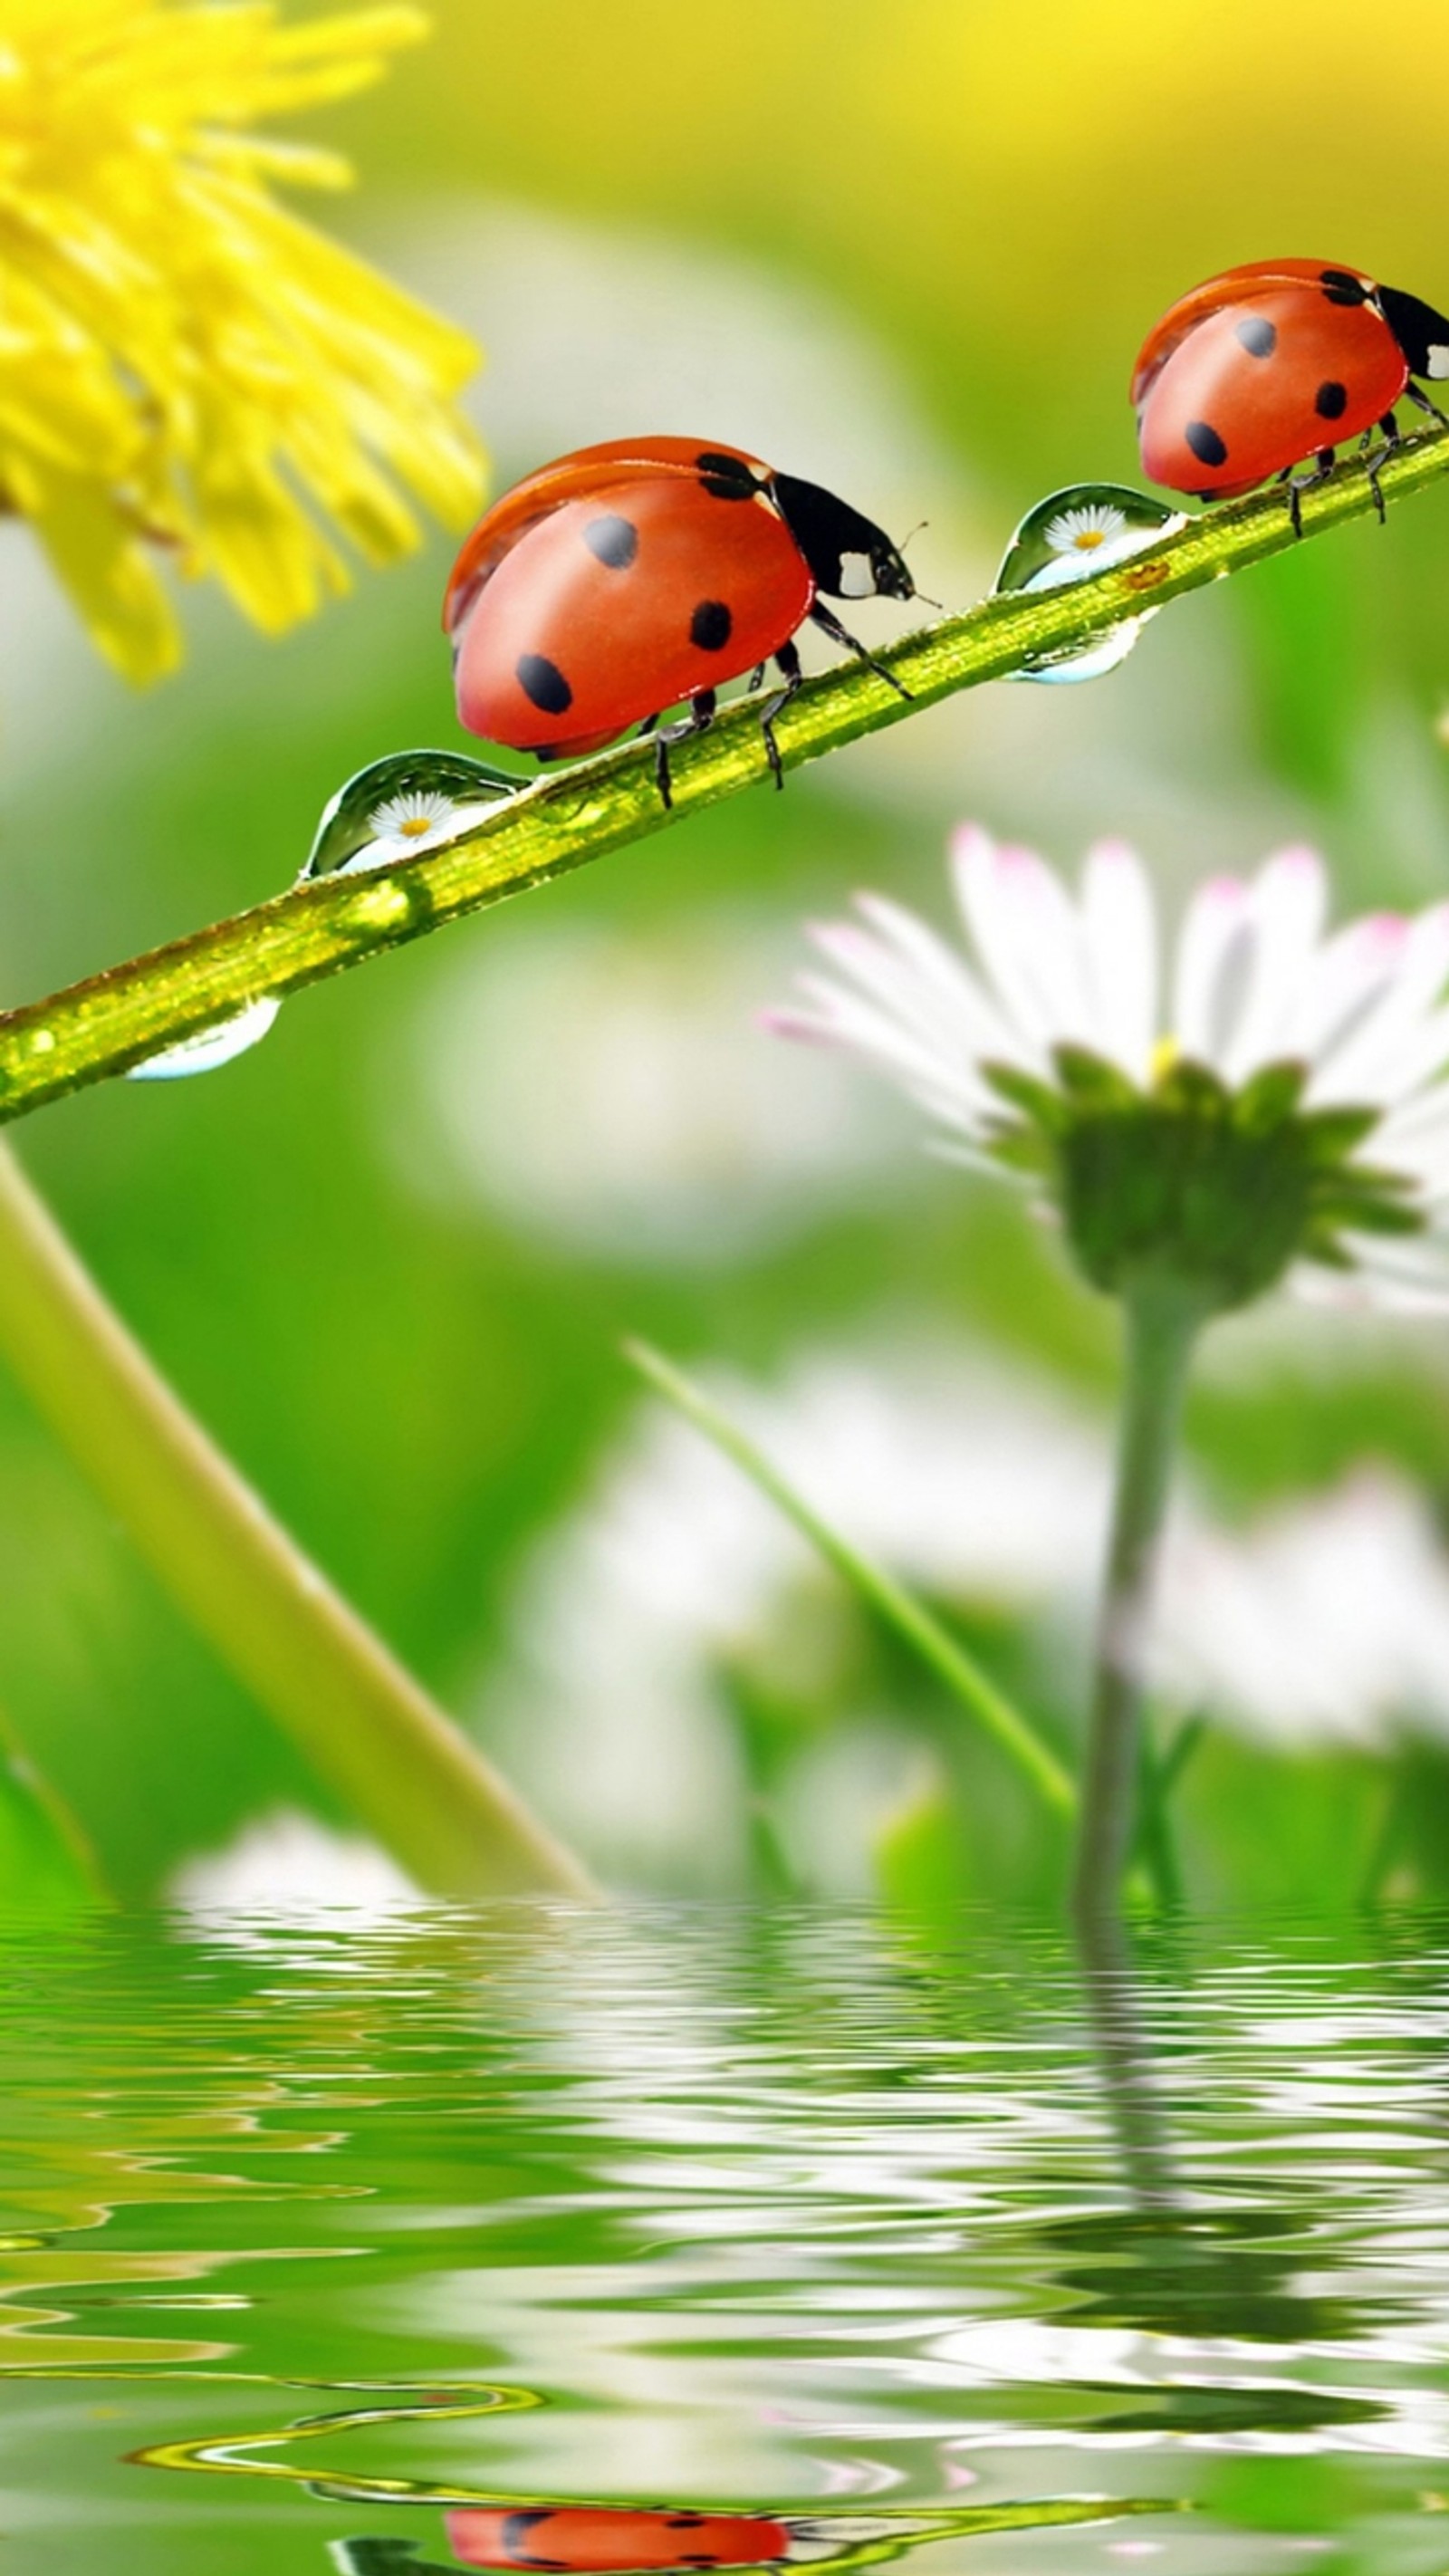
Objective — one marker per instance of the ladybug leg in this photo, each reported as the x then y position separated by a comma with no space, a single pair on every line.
1298,484
787,661
1424,403
756,678
1377,458
829,624
698,720
391,2557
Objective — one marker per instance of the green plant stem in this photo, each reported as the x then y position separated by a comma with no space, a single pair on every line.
968,1685
367,1728
1162,1321
1125,2056
1155,1842
112,1021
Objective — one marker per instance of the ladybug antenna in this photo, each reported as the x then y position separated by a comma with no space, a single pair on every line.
923,595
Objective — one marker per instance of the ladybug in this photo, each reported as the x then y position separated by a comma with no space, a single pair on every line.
626,578
601,2540
1266,366
633,2540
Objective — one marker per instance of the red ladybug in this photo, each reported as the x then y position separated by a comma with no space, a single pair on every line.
626,578
1260,369
602,2540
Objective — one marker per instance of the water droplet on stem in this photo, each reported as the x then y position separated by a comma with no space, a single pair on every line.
210,1047
1071,535
397,807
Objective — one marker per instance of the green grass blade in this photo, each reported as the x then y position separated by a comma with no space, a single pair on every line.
898,1609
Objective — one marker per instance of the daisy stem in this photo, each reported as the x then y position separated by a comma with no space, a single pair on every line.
361,1720
1162,1319
102,1026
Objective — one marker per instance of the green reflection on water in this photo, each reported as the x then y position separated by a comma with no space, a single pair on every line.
971,2250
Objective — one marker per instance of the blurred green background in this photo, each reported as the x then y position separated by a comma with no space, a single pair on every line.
909,252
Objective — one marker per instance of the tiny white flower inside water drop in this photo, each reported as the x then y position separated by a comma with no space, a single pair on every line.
405,825
414,820
1083,531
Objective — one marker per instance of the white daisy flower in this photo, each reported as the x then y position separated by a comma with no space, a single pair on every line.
1084,531
1270,1101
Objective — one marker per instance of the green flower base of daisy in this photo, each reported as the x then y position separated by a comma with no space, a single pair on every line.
1190,1181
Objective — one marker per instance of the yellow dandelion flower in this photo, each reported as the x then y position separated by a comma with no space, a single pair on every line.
187,370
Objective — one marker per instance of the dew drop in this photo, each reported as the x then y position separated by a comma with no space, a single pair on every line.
398,807
1072,534
210,1047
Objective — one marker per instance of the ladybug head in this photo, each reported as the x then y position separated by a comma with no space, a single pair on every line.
849,556
1422,334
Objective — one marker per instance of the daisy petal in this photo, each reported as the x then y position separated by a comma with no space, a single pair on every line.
1285,905
1375,1061
1349,970
1025,935
1119,927
935,1024
1212,950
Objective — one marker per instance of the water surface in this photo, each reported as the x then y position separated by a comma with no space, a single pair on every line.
355,2246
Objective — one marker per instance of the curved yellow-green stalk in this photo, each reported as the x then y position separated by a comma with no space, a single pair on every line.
114,1020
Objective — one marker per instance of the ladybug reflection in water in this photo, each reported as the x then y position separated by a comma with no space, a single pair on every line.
1259,370
629,578
626,2540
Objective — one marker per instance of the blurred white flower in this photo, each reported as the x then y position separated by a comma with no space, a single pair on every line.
1282,1092
287,1864
1327,1620
610,1091
966,1477
1323,1620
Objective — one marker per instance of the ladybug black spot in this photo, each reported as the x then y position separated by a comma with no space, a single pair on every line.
516,2533
614,540
711,626
1257,336
1331,400
1342,288
543,683
726,478
684,2521
1205,443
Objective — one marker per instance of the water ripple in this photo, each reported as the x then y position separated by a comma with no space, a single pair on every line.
674,2212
